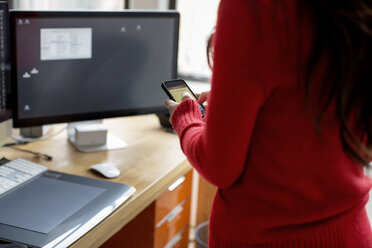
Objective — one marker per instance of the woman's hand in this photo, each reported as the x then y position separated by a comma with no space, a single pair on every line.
172,105
203,97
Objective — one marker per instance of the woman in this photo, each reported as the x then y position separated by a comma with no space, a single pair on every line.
288,126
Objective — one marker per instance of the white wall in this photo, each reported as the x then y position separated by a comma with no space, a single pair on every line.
198,18
68,4
149,4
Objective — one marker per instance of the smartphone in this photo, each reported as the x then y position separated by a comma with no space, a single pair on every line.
175,89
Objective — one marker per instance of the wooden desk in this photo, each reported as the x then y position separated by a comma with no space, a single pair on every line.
151,162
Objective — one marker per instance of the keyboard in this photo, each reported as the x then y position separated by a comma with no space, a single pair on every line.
17,172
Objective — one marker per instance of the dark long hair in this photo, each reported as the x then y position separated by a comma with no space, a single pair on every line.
342,31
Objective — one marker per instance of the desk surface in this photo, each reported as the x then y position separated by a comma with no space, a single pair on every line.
152,161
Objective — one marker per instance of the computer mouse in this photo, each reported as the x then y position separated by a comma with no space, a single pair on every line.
106,169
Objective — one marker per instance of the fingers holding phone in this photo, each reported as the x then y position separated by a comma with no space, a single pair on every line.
177,90
203,97
186,95
171,106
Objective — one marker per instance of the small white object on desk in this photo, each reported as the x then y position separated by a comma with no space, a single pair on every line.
106,169
90,135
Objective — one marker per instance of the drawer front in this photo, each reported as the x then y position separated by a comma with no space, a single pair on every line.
180,240
173,196
172,224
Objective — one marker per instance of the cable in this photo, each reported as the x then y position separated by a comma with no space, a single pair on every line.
36,154
16,143
23,141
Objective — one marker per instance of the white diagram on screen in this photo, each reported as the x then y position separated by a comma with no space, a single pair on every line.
65,43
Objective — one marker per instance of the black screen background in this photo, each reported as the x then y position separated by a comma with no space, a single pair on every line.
124,73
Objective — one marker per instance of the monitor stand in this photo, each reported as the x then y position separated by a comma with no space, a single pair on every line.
34,132
112,142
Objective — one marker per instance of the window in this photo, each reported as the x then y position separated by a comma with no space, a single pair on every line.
68,4
198,18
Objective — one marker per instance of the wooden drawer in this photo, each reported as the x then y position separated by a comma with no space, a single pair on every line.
173,196
172,224
164,223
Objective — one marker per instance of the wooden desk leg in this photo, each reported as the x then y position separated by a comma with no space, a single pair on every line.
205,199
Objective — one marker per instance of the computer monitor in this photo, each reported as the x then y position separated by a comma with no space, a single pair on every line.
72,66
75,66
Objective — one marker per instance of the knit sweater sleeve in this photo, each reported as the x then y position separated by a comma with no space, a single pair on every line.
243,72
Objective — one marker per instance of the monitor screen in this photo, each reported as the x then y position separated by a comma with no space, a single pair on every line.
73,66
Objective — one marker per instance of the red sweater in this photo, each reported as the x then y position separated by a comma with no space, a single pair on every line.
280,183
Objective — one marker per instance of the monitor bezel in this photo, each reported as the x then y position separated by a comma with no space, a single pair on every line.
28,122
5,115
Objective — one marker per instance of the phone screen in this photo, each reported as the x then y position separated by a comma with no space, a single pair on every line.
178,90
175,89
